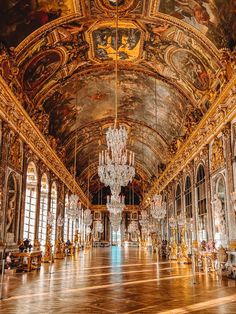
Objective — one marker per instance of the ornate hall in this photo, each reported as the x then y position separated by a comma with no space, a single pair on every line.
118,156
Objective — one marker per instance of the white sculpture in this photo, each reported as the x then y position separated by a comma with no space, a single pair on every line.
219,215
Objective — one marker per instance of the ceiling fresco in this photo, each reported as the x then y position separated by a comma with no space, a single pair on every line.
62,68
216,19
103,40
20,18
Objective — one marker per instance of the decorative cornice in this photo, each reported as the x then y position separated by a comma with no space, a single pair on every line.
221,112
12,112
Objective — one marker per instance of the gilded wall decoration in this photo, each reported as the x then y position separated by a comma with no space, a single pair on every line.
15,156
103,38
217,154
20,18
215,19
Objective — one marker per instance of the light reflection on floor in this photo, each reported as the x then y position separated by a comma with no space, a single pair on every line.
115,280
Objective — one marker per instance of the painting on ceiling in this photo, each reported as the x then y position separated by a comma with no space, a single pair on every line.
20,18
215,18
40,69
95,102
128,41
191,68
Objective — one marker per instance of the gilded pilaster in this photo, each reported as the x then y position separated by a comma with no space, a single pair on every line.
229,184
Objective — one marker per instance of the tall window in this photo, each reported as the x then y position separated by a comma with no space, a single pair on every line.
188,198
43,210
30,202
66,220
201,201
178,200
53,210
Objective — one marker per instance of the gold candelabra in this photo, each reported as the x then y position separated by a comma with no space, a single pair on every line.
59,247
48,246
173,245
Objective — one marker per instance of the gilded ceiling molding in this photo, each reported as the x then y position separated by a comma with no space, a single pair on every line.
212,123
12,112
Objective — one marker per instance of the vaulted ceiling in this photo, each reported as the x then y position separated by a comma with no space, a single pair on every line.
169,61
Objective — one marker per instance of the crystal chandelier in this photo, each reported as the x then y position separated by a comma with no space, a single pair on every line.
115,204
144,221
158,208
74,208
116,171
87,217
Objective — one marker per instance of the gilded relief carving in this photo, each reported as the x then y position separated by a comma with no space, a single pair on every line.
217,154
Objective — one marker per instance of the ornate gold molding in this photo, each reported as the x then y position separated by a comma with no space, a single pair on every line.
12,112
221,112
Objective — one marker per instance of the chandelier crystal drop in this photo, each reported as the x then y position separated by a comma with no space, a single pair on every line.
115,204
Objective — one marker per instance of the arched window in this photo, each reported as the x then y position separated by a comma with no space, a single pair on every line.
53,209
43,210
201,202
66,220
178,200
188,198
30,202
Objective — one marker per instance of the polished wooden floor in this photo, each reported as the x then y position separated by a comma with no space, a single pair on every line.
116,280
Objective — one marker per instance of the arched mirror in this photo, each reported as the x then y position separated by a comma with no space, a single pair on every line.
178,200
188,199
30,202
43,210
66,220
11,209
201,203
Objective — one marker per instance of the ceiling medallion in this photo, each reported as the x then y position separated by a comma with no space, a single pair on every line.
110,5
